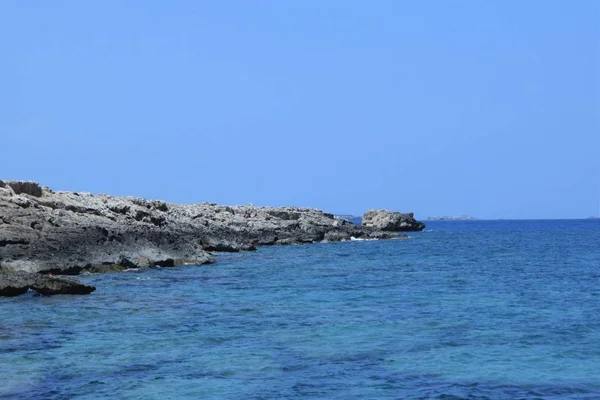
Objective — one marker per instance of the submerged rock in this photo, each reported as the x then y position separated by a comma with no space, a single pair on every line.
391,221
20,282
48,285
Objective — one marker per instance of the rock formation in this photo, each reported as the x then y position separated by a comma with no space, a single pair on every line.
391,221
68,233
18,283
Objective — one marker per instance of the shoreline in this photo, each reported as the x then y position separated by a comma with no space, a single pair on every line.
67,233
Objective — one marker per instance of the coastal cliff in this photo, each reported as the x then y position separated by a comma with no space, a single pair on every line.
69,233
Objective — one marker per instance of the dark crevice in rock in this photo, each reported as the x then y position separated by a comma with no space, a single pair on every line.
119,209
75,270
140,215
82,210
12,291
169,262
157,221
6,242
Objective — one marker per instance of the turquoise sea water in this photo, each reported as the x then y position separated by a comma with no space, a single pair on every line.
464,310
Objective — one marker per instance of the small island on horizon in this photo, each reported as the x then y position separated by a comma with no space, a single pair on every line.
452,218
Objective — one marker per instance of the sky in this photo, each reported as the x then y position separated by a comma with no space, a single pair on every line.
482,108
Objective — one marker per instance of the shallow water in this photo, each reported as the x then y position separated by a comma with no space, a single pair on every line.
475,310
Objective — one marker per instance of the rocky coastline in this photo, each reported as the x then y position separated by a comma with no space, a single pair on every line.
69,233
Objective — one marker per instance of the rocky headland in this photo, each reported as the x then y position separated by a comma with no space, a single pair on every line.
67,233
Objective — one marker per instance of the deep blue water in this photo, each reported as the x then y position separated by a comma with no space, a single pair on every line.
474,310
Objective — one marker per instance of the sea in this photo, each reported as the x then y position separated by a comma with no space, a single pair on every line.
462,310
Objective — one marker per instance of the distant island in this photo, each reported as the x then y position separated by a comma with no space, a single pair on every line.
452,218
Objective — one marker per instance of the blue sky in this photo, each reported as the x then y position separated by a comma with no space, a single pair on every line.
486,108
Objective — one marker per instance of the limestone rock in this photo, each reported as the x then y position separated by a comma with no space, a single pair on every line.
47,285
70,233
23,187
18,283
391,221
13,285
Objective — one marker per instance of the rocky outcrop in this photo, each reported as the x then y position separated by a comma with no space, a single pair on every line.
13,285
48,285
20,282
69,233
391,221
22,187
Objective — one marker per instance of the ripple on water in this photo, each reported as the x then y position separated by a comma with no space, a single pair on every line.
485,310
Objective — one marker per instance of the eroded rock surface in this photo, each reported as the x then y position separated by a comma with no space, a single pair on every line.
18,283
391,221
69,233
